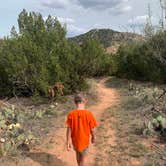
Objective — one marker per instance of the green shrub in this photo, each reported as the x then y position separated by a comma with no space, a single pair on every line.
39,55
143,60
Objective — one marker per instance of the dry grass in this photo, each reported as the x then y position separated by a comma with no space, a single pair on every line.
132,147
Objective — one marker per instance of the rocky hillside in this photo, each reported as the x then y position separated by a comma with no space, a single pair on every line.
107,37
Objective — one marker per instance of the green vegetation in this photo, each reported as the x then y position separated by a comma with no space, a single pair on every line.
13,134
22,128
156,124
143,60
138,57
39,55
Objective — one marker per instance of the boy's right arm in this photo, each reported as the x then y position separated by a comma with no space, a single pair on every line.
93,124
68,133
68,139
92,136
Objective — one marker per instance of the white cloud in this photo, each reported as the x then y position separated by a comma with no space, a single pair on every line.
73,30
141,20
116,6
126,8
56,3
138,20
66,20
120,9
98,4
62,20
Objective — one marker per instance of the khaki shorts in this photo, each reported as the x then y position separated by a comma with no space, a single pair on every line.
85,151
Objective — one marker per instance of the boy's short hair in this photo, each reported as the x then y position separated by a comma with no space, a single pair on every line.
79,98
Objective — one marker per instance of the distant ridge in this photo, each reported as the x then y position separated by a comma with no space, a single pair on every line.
107,37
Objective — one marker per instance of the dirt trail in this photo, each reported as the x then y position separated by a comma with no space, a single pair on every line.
55,145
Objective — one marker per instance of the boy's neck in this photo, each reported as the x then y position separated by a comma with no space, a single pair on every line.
81,106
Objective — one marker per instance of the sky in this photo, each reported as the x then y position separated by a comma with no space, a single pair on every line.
82,15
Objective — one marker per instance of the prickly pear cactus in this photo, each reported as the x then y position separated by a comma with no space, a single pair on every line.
12,133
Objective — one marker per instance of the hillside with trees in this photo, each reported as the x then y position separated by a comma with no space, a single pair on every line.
107,37
135,56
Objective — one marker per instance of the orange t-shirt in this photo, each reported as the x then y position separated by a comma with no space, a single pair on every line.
81,122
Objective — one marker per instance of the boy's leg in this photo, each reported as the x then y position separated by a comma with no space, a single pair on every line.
78,157
83,157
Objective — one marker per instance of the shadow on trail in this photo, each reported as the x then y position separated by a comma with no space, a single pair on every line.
45,159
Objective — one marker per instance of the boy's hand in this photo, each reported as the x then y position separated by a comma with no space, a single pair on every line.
69,146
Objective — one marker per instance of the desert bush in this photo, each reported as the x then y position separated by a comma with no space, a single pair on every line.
151,107
144,60
93,60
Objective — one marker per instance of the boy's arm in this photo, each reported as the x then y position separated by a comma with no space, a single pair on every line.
92,125
92,135
68,139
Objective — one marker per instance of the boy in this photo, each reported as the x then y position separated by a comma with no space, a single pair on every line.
80,124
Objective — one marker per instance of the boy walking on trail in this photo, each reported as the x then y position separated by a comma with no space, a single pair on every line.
80,128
